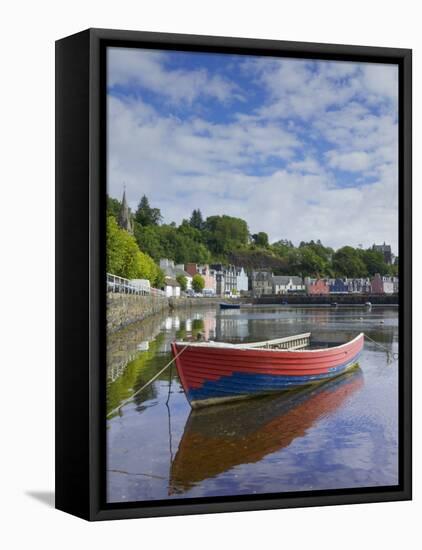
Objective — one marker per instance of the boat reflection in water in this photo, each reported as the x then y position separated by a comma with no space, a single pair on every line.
218,438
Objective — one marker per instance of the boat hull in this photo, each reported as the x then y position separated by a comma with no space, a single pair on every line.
229,306
212,375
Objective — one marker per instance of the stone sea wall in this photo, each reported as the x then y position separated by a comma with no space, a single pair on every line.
341,299
124,309
183,302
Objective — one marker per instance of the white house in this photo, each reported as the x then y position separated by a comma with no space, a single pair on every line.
282,284
389,286
241,280
171,288
173,271
179,269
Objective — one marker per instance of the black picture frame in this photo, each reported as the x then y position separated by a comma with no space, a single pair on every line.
80,268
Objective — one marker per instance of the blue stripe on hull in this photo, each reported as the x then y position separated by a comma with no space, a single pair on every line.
241,383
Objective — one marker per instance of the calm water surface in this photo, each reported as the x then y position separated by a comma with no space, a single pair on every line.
341,434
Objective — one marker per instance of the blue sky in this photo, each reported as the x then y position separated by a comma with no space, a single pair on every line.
300,149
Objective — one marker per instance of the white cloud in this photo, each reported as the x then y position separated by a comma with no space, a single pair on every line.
352,162
146,68
295,192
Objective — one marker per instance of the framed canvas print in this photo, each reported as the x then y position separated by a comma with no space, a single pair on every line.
233,274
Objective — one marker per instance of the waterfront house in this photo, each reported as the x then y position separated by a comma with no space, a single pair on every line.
391,284
377,286
242,280
282,284
226,279
171,288
262,283
173,271
384,284
388,285
208,275
167,266
317,287
206,272
358,285
179,270
338,286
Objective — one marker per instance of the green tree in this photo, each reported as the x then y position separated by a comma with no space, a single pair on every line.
348,263
282,248
145,215
198,283
122,251
196,220
124,258
310,263
225,233
183,282
113,207
374,262
261,239
149,240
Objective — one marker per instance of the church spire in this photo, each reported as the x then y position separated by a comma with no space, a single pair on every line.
125,217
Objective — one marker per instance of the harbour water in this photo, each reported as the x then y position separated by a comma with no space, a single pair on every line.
343,434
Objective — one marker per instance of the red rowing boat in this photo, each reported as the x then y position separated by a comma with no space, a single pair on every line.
213,372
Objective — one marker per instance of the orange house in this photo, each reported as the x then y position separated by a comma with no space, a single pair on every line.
317,286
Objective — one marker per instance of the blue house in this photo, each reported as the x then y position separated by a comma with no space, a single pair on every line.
338,286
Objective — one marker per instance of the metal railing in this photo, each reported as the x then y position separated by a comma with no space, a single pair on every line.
125,286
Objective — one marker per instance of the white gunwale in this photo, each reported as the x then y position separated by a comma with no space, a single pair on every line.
254,345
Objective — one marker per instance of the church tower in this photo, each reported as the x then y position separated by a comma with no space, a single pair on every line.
125,217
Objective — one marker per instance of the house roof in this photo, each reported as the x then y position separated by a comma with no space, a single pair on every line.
285,279
262,275
171,282
180,271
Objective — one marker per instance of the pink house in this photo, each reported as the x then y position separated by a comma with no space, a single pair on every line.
377,285
205,272
317,286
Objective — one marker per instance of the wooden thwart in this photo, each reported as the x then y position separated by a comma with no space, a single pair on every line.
297,341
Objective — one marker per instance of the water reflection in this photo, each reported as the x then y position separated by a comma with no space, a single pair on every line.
340,435
216,439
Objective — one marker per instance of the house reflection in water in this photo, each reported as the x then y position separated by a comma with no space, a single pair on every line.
219,438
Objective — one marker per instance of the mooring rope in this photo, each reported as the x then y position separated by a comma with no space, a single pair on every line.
129,399
394,354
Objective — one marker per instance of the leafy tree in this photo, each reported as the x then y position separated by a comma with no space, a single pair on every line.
145,215
183,282
196,220
124,258
374,262
261,239
225,233
113,207
149,240
188,230
198,283
281,248
348,263
122,251
310,263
